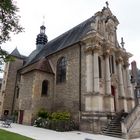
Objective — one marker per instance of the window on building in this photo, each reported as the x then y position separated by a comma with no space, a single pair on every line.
100,67
111,64
138,93
17,92
61,70
6,112
44,88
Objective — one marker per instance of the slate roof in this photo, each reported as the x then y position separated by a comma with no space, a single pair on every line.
63,41
16,53
42,65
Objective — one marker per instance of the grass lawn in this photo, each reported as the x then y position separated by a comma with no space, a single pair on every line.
6,135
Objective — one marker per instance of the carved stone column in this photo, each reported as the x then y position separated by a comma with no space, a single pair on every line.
129,87
89,69
96,69
130,101
108,98
121,85
122,97
107,74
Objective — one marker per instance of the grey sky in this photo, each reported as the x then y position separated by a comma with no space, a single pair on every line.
61,15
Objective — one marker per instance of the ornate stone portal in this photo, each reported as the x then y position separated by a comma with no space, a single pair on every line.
117,90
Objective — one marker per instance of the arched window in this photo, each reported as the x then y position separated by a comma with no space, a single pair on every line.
61,70
44,87
100,67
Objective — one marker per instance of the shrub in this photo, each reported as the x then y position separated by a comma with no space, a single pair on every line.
63,116
43,113
59,121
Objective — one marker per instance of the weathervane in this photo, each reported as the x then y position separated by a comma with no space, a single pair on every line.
122,42
107,4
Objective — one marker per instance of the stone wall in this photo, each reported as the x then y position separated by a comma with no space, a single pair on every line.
66,94
39,101
25,96
61,96
9,84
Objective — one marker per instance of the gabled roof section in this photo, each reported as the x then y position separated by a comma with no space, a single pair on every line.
16,53
41,65
63,41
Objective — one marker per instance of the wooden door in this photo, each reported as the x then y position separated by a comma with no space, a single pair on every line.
21,114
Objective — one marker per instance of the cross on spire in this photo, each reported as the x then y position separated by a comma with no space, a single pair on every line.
107,4
122,42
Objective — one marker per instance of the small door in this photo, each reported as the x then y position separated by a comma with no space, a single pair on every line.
21,114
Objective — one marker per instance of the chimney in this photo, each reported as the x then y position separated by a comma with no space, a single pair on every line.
134,70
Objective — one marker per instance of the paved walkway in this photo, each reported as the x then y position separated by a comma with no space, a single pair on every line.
45,134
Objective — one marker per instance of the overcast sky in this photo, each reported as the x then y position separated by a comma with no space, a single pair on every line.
62,15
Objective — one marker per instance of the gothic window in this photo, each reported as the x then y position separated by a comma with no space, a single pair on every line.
100,67
44,88
111,64
61,70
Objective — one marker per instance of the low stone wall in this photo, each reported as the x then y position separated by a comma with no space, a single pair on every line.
92,123
131,125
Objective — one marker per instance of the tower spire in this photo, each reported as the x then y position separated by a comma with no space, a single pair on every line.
41,39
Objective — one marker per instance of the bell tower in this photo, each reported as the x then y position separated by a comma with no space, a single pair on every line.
41,39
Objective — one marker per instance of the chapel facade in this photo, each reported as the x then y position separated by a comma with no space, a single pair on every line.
84,71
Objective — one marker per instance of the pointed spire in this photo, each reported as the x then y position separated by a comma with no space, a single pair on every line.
43,20
43,28
15,53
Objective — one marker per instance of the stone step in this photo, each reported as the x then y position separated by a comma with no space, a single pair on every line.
114,127
111,127
115,121
106,131
114,135
112,130
118,120
117,125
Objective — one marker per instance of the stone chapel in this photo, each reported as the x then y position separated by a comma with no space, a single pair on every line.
84,71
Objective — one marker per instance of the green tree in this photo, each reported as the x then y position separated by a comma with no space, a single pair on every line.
9,22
